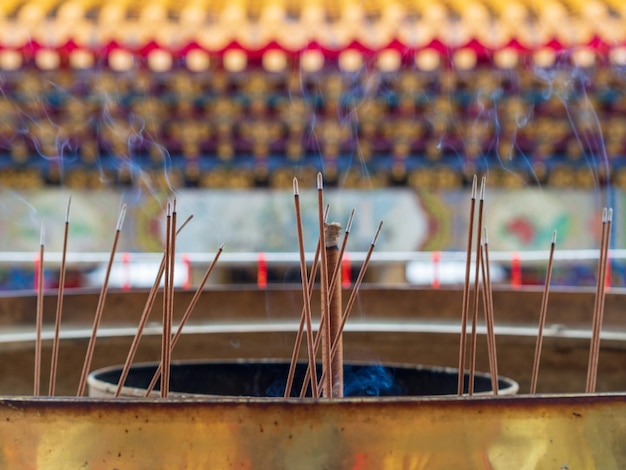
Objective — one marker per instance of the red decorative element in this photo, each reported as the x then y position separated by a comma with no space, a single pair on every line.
187,263
127,275
516,271
522,228
261,277
436,258
37,268
346,271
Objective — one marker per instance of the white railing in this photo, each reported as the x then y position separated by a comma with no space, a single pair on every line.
416,268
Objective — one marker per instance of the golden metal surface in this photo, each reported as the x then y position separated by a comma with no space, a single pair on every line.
549,432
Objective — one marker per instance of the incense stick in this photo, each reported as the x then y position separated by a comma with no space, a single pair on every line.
100,307
324,291
57,323
166,334
298,342
352,299
145,314
335,305
542,317
489,317
465,307
306,298
594,353
39,320
472,370
596,302
307,376
170,309
186,315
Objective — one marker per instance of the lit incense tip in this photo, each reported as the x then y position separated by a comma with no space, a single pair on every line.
483,182
554,237
184,223
221,248
610,216
120,220
296,189
67,213
320,181
380,226
604,215
42,235
174,206
349,225
474,183
485,237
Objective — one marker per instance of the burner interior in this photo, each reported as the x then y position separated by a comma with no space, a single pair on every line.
267,379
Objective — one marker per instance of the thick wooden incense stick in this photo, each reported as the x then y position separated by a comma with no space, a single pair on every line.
465,307
100,307
472,369
594,350
59,310
39,320
145,314
186,315
489,316
335,305
307,376
542,317
306,298
327,385
353,295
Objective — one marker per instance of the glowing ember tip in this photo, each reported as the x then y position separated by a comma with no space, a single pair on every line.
320,181
296,189
610,215
485,238
554,237
120,220
67,213
349,224
474,183
380,226
483,182
42,235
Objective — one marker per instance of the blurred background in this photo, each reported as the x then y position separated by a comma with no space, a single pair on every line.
398,103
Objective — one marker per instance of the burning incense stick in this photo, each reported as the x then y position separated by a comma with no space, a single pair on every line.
186,315
324,291
307,376
465,308
167,291
145,314
100,308
352,299
476,287
594,353
335,305
57,323
306,298
298,342
489,317
39,320
542,317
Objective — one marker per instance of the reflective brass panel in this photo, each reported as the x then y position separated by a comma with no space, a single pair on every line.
549,432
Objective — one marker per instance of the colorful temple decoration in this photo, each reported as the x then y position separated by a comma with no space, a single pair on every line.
375,94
